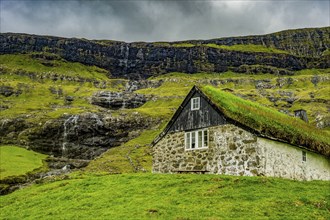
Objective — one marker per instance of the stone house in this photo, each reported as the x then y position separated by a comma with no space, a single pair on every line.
201,137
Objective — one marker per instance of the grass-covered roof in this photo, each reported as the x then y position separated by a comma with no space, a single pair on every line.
269,122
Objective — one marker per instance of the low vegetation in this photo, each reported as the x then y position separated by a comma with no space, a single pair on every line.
50,64
157,196
247,48
131,157
15,161
269,121
183,44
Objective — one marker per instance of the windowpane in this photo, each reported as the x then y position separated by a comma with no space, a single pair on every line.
193,140
205,139
196,139
195,103
187,140
200,139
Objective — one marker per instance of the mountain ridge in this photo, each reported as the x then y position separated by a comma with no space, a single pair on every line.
290,50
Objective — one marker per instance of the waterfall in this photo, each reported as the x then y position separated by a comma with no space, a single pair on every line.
125,53
67,126
124,104
126,56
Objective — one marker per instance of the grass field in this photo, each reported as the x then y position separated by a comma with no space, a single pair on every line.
15,161
160,196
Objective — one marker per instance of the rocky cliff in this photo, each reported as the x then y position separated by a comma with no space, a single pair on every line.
81,136
295,50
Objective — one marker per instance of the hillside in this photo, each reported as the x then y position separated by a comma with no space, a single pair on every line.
15,161
63,97
156,196
48,107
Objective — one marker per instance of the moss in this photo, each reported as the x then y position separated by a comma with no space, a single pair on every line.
247,48
183,44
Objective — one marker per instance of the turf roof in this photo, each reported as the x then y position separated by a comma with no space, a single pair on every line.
269,122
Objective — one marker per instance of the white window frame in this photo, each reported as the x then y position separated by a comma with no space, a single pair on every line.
193,142
195,103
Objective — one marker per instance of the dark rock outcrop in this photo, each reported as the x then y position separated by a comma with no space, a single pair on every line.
6,91
83,136
302,114
118,100
133,85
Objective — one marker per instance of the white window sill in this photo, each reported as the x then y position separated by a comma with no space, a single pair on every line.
202,148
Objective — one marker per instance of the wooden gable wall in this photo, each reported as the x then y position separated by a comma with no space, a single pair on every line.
189,119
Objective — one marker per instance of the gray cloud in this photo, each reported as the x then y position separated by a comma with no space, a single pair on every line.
143,20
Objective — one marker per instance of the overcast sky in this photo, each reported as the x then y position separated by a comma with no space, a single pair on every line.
142,20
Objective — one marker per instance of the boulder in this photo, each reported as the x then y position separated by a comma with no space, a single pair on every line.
6,91
118,100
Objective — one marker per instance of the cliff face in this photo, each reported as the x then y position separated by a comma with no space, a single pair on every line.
309,42
304,48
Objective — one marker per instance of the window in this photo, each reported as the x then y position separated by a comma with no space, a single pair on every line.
196,139
195,103
304,156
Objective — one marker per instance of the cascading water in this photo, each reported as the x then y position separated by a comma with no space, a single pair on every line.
124,104
67,127
125,53
126,57
3,123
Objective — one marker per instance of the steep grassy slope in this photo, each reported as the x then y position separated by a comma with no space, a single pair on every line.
155,196
40,83
15,161
51,65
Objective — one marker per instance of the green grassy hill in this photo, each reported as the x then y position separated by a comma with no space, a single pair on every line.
15,161
155,196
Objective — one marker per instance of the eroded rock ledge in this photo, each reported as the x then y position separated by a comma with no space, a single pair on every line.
118,100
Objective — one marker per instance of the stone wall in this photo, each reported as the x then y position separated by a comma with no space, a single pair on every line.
235,151
284,160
